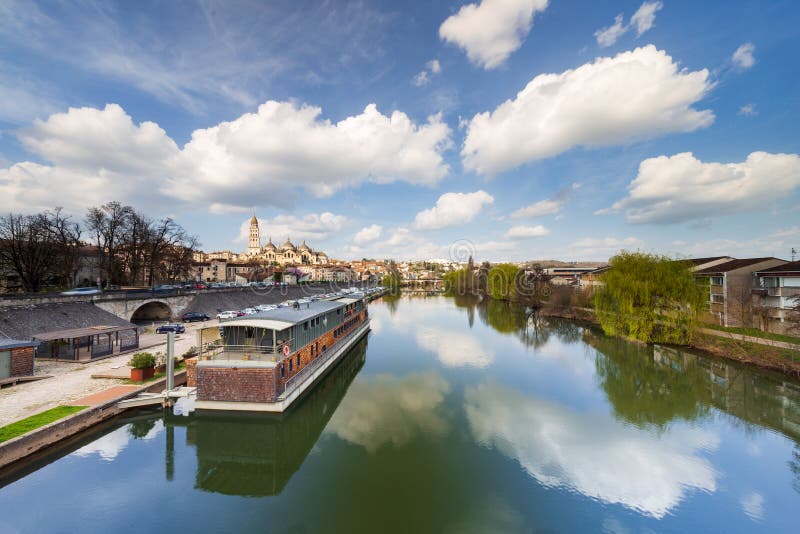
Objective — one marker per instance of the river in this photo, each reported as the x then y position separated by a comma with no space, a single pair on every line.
453,416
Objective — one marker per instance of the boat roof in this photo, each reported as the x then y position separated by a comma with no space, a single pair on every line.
282,318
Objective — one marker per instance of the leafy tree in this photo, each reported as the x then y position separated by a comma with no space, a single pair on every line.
649,298
502,281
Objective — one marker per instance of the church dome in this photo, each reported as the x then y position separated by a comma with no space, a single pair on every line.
270,246
304,246
288,245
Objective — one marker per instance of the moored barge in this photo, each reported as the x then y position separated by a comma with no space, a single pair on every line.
268,360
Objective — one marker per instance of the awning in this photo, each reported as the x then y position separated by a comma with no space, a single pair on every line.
80,332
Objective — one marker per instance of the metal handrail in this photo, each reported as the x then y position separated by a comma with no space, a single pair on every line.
317,362
250,352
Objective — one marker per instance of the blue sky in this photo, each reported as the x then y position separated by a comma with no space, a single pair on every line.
512,129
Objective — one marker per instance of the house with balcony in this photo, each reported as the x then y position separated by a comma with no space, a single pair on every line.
730,284
775,295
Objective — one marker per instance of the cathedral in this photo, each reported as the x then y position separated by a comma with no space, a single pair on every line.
286,254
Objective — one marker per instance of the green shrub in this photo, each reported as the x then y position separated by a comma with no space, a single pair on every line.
191,353
142,360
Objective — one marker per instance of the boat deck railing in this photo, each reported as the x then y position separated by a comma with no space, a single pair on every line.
260,353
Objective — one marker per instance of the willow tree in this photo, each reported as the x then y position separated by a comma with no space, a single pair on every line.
502,282
650,298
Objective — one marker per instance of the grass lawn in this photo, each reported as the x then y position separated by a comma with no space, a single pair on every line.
754,332
752,351
35,421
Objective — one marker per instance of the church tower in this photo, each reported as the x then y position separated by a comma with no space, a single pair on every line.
254,245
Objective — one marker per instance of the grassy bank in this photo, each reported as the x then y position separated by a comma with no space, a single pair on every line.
753,332
35,421
778,359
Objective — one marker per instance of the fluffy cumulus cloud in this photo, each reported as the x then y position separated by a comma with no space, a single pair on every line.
453,209
260,158
312,226
93,152
634,95
592,454
671,189
743,56
642,20
526,232
367,234
491,31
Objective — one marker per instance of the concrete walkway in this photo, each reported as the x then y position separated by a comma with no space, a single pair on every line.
72,382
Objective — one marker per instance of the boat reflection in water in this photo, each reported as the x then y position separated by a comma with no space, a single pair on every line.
255,454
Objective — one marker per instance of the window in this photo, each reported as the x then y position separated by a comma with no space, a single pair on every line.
717,280
290,365
283,372
719,299
305,325
298,361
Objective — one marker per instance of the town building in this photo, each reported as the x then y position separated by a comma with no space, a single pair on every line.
16,358
730,285
776,296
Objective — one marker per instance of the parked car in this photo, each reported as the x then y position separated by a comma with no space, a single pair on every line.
176,327
227,315
190,317
82,291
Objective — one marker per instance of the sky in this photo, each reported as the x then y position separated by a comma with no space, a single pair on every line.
503,129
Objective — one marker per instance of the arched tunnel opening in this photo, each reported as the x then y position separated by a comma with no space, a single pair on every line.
152,311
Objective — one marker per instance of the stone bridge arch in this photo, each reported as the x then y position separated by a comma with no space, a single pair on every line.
151,310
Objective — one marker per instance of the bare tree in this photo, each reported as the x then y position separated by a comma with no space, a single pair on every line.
108,225
740,303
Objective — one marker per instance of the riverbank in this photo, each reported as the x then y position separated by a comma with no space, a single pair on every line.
759,352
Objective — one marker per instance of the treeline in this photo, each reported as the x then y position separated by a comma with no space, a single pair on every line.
116,242
504,281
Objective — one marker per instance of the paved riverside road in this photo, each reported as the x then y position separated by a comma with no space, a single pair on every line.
72,381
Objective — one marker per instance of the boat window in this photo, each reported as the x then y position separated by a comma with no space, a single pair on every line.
305,325
298,361
324,348
283,372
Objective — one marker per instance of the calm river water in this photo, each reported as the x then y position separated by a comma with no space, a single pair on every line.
453,416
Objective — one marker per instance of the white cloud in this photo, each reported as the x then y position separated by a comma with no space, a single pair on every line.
524,232
367,234
491,31
314,227
743,56
608,36
642,20
454,348
538,209
432,68
635,95
421,79
590,453
670,189
645,16
453,209
389,410
748,110
548,206
259,158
